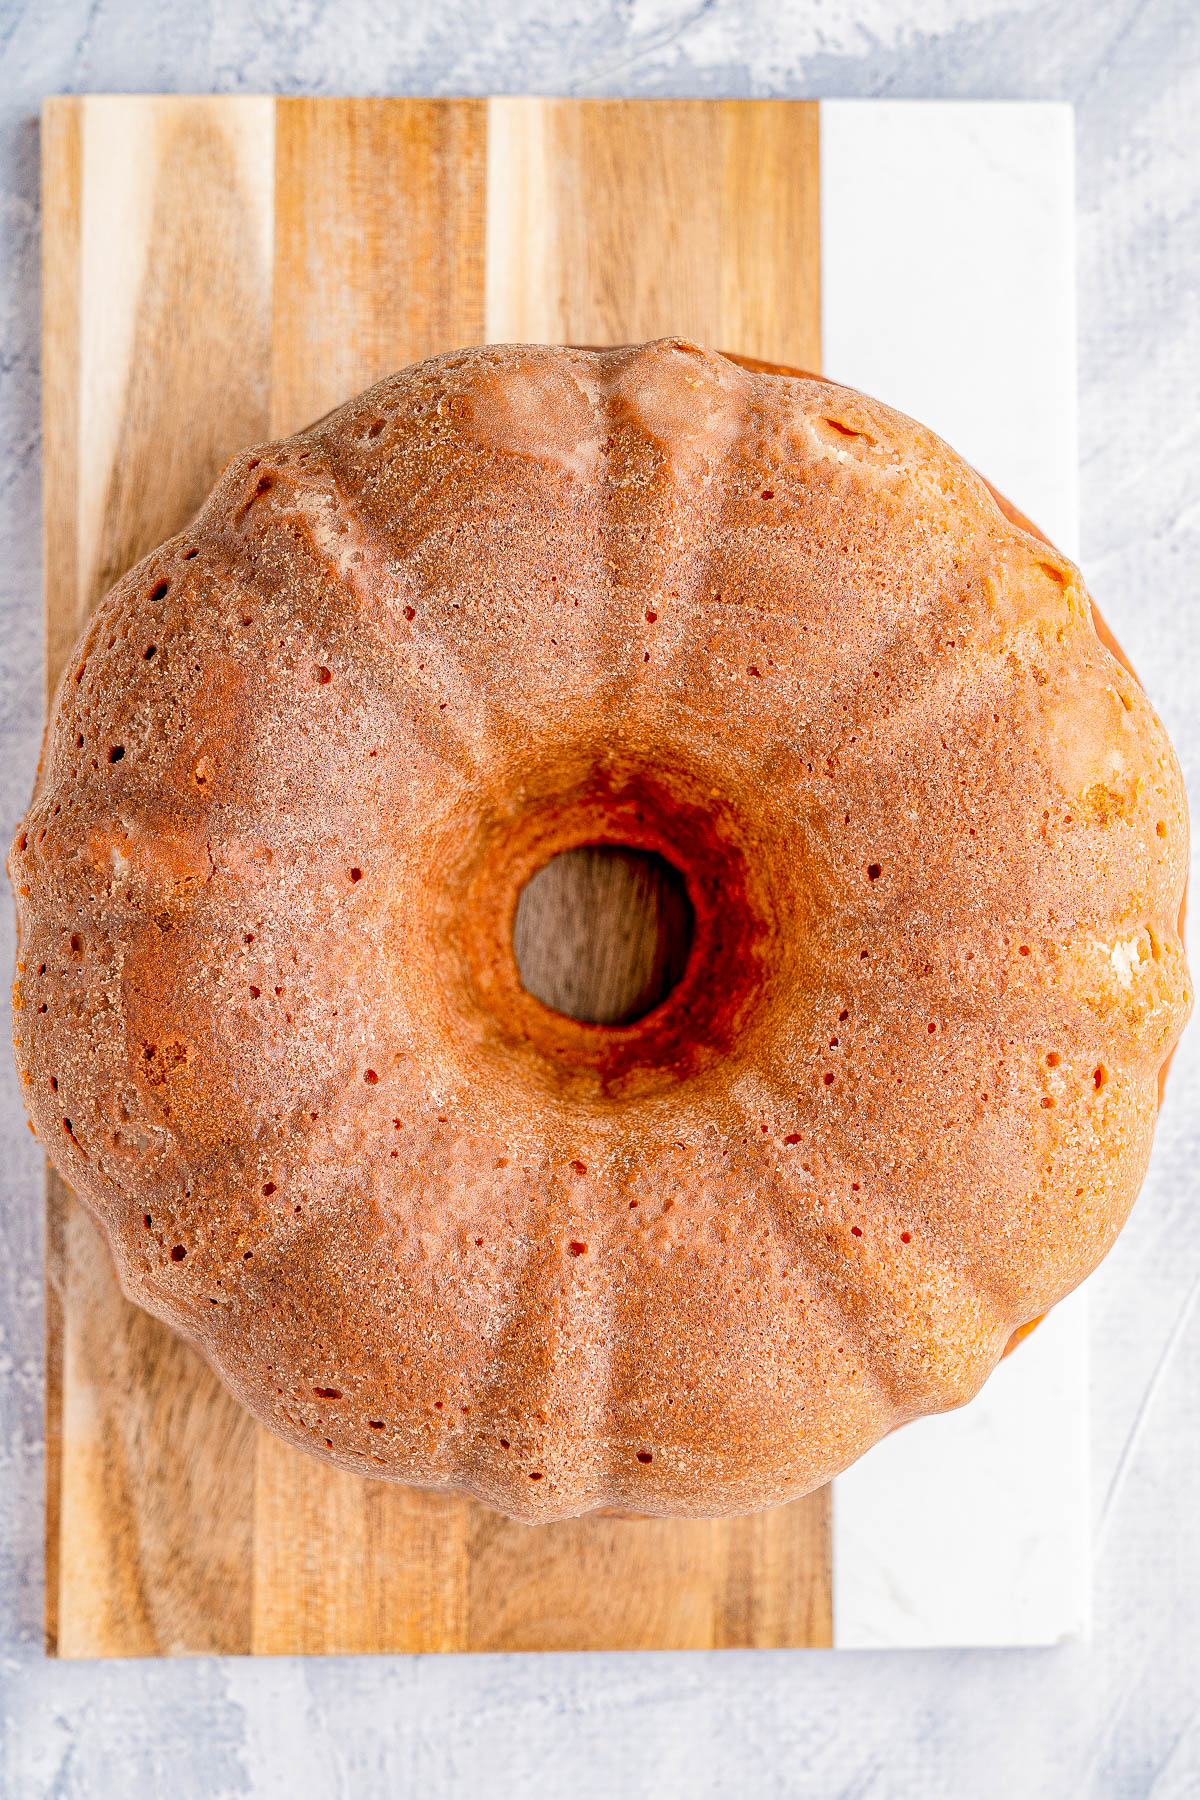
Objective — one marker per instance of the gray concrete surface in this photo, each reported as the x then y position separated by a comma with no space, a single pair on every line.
1118,1718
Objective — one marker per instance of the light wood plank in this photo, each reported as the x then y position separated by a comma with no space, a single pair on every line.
172,298
523,303
61,202
175,282
62,199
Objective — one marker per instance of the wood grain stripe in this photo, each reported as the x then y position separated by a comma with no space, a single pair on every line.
62,196
61,202
166,300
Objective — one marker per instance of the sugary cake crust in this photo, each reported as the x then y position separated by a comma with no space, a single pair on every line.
513,600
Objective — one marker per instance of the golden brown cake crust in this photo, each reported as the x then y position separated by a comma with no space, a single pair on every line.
513,600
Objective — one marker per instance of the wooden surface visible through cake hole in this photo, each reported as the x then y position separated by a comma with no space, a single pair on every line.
259,262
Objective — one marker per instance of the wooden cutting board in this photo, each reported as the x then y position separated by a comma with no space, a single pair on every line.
222,271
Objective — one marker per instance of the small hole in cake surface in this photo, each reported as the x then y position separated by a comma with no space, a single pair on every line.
603,933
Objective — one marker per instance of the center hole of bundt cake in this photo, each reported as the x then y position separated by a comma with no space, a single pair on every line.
602,933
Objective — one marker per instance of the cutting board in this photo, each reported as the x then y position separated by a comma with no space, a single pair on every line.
222,271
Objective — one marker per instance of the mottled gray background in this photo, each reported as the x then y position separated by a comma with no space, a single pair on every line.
1117,1718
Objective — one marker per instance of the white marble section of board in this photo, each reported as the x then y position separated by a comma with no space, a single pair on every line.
971,1527
948,281
948,290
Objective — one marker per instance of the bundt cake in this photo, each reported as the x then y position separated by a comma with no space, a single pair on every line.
517,600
